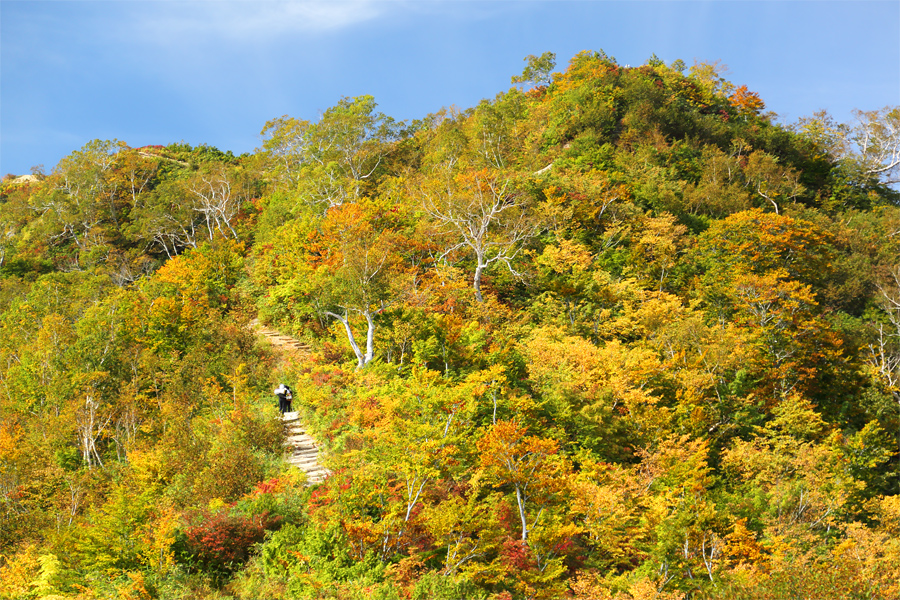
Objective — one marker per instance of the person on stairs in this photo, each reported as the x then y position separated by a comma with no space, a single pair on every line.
285,397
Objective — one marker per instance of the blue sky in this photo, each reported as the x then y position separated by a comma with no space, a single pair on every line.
213,72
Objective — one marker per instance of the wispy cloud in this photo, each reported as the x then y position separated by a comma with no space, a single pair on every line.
245,21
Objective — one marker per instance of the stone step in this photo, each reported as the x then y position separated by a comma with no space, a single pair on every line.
305,457
320,473
305,463
288,341
305,451
301,445
301,449
292,344
301,440
279,338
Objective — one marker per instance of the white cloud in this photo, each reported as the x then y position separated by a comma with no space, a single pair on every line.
248,21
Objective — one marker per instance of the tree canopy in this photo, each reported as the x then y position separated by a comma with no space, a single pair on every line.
614,333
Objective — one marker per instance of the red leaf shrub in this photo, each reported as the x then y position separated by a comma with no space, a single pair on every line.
516,555
221,542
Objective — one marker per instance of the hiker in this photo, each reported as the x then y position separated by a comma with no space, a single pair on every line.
288,399
282,392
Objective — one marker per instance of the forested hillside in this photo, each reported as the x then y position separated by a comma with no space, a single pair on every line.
612,334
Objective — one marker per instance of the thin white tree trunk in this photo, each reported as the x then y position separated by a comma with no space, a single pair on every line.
362,359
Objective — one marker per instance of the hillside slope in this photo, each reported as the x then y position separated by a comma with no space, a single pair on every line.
614,333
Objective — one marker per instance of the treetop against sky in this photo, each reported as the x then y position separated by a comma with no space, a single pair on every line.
215,72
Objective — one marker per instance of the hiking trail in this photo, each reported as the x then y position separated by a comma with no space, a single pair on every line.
303,450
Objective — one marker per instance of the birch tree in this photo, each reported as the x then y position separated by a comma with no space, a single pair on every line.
216,196
884,350
870,146
82,196
357,269
483,214
876,137
328,162
770,181
165,218
285,147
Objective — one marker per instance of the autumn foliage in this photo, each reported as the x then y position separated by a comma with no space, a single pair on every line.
614,333
222,543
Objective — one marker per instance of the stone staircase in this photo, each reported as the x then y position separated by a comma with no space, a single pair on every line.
278,339
301,449
304,453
